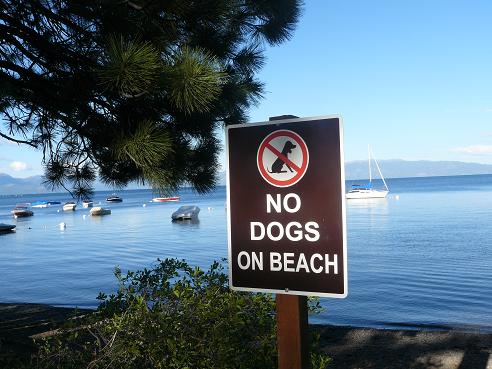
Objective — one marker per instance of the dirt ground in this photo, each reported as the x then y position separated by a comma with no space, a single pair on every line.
350,348
358,348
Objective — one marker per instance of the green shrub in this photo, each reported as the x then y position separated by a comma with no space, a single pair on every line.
172,316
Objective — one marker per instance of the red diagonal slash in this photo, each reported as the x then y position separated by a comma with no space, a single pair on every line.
283,157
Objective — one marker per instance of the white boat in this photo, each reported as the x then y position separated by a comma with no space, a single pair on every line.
166,199
114,199
44,204
98,211
69,206
40,204
87,204
367,191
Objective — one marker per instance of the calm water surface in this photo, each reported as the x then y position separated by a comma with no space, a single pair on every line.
420,258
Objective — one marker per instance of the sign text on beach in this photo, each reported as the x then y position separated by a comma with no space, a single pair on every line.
286,207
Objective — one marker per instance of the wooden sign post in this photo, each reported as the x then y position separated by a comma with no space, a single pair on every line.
286,219
292,332
292,322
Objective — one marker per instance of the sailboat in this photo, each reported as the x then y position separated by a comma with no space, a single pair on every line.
367,191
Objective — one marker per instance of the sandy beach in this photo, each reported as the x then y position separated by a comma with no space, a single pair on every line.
362,348
349,347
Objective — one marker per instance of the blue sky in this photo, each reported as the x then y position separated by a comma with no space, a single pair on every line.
411,78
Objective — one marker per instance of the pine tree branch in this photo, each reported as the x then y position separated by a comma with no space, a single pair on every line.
37,40
190,68
17,141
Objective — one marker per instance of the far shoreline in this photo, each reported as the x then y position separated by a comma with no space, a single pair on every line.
99,190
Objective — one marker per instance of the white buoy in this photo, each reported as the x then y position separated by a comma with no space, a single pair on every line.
144,205
62,226
397,197
84,216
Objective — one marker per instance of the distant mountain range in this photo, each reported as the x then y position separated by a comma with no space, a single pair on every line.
398,168
422,168
353,170
14,186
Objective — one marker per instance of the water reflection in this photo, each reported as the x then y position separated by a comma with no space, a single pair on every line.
194,223
373,203
23,220
98,218
367,213
3,233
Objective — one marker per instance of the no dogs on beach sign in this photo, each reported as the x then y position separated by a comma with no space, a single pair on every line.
286,207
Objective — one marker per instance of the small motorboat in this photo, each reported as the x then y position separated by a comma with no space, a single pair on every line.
22,211
98,211
40,204
44,204
69,206
5,228
114,199
87,204
165,199
186,212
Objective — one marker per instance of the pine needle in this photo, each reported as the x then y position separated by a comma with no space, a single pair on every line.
132,67
194,80
147,146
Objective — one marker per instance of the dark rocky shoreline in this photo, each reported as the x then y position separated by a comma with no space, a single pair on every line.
19,322
350,347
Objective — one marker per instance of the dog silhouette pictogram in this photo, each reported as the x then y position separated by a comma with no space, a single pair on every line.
278,164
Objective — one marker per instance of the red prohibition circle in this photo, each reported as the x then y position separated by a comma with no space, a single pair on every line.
301,170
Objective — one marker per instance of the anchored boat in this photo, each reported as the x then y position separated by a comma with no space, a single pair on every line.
98,211
40,204
367,191
165,199
87,204
22,211
5,228
186,212
69,206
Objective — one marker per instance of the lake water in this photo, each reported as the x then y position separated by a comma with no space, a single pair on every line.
420,258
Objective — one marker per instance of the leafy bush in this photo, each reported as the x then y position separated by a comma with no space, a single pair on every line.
172,316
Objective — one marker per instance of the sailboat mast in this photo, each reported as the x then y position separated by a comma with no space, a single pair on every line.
381,174
369,156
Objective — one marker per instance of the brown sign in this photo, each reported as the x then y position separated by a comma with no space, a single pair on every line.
286,207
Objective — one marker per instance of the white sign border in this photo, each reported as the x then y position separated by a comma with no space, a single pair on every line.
344,212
